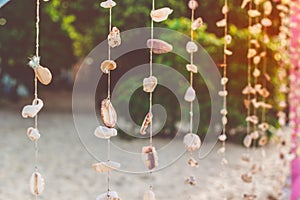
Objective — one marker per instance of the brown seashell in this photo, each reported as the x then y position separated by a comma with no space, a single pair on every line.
159,46
247,103
108,114
43,74
108,65
251,53
249,196
150,157
193,4
161,14
146,122
247,178
221,23
225,9
263,141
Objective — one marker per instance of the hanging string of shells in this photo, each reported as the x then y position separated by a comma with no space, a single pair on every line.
156,46
44,76
192,141
108,113
224,80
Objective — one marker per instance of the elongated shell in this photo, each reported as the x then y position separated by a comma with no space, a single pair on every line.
190,94
104,132
161,14
159,46
191,142
43,74
106,166
111,195
36,183
146,123
114,37
108,114
149,195
149,84
108,65
248,141
150,157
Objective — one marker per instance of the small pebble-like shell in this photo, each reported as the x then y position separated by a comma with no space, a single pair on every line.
253,119
256,72
111,195
224,120
150,157
192,162
256,60
149,84
114,37
191,180
32,110
197,23
266,22
146,122
104,132
248,141
247,103
267,8
108,4
191,47
254,13
222,137
225,9
221,23
248,90
159,46
264,92
161,14
191,142
255,29
228,39
33,134
247,178
193,4
228,52
224,161
192,68
223,93
149,195
37,183
224,81
251,53
224,112
108,114
43,74
263,126
190,94
108,65
106,166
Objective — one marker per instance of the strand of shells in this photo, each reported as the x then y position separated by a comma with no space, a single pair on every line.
191,140
44,76
107,110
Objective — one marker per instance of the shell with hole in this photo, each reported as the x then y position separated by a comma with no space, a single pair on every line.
159,46
191,142
107,66
36,183
149,84
33,109
161,14
105,133
150,157
108,114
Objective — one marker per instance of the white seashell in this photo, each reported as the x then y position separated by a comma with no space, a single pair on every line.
263,141
149,84
191,142
193,4
192,162
146,122
228,39
191,180
104,132
43,74
114,37
251,53
108,114
267,8
223,137
256,60
244,3
106,166
225,9
255,135
224,81
224,120
224,111
33,134
32,110
190,94
248,90
248,141
253,119
191,47
256,72
198,23
149,195
36,183
228,52
263,126
224,161
161,14
255,29
108,65
111,195
192,68
159,46
108,4
221,23
150,157
266,22
223,93
246,158
254,13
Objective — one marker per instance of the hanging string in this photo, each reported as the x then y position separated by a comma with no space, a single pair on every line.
191,73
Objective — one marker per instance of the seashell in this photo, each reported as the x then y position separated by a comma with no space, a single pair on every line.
191,47
244,3
108,65
192,162
251,53
224,112
224,161
223,93
246,158
149,195
254,13
247,103
253,119
248,90
266,22
190,94
247,178
192,68
249,196
108,114
146,122
43,74
104,132
228,52
33,134
36,183
256,60
32,110
191,142
159,46
111,195
150,157
224,80
224,120
198,23
255,135
149,84
248,141
267,8
191,180
263,141
193,4
223,137
264,92
256,72
34,62
221,23
255,168
225,9
255,29
106,166
255,43
228,39
255,103
108,4
257,87
161,14
114,37
263,126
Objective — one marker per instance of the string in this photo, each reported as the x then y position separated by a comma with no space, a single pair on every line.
191,73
